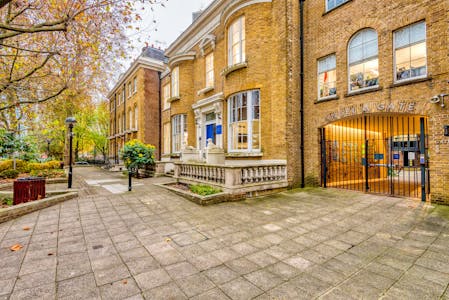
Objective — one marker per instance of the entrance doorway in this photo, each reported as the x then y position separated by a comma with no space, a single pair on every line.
210,126
384,154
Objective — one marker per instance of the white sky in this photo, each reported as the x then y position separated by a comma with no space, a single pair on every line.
170,22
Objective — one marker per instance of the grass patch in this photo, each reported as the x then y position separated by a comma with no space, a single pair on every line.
203,190
6,202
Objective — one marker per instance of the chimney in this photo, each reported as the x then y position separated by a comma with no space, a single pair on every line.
195,15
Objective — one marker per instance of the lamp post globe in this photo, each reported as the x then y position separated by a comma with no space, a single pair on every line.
70,122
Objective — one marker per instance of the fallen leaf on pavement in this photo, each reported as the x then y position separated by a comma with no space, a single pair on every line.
125,281
26,228
167,240
16,247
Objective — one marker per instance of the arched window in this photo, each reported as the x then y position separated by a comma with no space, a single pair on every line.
363,60
236,42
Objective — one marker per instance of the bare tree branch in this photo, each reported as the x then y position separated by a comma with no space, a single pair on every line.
18,103
30,73
27,50
14,31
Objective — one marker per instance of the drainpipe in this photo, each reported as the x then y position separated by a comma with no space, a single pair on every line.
301,88
160,116
115,130
124,113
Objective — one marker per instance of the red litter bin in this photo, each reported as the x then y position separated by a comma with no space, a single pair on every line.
28,189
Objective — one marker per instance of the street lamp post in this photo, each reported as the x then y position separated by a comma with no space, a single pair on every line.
70,121
48,147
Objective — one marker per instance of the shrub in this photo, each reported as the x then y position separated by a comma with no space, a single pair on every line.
9,174
49,165
49,173
136,154
203,190
21,166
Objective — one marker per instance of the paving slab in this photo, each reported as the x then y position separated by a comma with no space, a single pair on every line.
152,244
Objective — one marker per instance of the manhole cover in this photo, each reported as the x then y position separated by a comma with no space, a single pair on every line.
188,238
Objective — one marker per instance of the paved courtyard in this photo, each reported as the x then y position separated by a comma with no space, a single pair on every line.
152,244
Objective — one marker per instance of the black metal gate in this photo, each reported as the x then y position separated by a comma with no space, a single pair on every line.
377,154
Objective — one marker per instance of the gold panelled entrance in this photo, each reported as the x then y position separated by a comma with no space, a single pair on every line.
383,154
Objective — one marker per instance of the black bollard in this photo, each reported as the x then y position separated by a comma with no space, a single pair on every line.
129,180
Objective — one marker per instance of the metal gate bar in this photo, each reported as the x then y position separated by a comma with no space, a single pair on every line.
377,154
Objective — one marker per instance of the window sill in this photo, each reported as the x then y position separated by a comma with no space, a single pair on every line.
326,99
332,9
410,81
364,91
172,99
244,154
205,90
228,70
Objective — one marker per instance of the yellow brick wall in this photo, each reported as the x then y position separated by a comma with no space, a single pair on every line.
146,99
266,57
330,33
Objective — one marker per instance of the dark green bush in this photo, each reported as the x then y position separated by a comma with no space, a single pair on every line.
9,174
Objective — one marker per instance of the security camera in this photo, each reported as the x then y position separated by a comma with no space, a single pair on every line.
434,99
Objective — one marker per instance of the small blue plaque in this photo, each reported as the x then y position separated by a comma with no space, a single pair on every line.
218,130
396,156
378,156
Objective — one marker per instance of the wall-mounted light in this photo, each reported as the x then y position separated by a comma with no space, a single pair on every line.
439,99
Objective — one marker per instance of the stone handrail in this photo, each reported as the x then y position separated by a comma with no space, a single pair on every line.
235,178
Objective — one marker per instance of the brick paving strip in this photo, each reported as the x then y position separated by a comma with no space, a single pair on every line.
152,244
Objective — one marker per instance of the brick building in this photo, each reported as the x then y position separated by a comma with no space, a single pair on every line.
134,103
373,91
376,80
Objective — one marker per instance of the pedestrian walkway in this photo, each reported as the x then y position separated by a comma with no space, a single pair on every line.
152,244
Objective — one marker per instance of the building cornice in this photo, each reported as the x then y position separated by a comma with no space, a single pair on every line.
208,101
235,6
215,14
175,60
140,62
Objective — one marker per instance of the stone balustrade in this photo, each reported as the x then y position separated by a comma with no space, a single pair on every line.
234,178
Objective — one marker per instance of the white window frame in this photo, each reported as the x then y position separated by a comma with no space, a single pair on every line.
166,92
336,5
130,116
182,120
331,67
240,43
136,117
363,60
209,64
135,85
249,120
175,82
409,45
167,138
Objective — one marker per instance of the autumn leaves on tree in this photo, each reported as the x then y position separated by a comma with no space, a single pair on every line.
60,54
